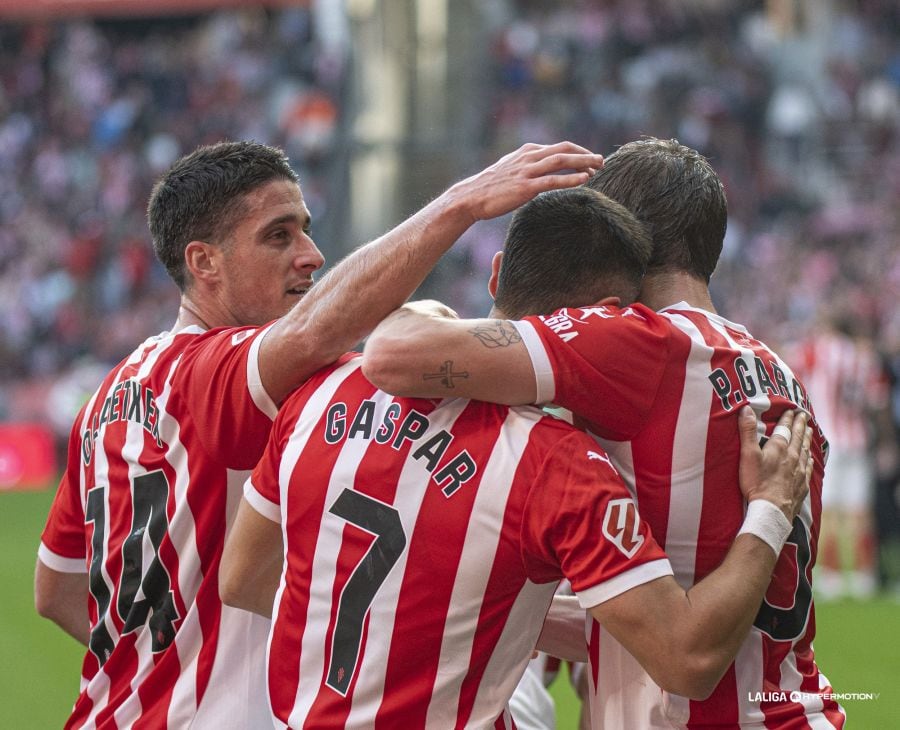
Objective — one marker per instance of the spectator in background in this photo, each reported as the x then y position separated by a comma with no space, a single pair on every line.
887,463
841,371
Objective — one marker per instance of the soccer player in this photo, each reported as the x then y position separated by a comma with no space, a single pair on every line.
416,544
841,370
659,390
129,558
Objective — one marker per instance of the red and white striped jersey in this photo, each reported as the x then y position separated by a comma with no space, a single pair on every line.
157,459
844,378
678,379
423,543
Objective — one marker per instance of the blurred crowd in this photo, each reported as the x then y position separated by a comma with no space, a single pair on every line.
795,102
91,113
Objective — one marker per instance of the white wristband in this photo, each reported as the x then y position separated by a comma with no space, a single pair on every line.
768,523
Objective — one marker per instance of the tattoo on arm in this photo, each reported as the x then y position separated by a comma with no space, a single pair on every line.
499,333
445,375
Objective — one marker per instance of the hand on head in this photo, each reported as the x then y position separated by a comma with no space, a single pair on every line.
521,175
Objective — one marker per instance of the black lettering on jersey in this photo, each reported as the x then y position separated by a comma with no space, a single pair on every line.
412,428
335,423
780,381
433,449
455,473
125,403
87,447
363,420
388,424
149,410
145,593
764,380
799,397
104,412
743,372
151,416
721,386
101,643
126,398
117,413
134,412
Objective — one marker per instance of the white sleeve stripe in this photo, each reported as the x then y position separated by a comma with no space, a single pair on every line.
265,507
260,397
623,582
540,361
59,563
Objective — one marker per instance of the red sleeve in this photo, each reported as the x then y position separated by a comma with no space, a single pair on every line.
604,364
63,546
218,384
581,523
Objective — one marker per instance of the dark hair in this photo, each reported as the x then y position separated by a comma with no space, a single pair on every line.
569,248
674,191
199,198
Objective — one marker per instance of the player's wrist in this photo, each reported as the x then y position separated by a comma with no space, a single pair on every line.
460,204
767,521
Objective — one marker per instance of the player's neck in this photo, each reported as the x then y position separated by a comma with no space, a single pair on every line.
664,289
189,315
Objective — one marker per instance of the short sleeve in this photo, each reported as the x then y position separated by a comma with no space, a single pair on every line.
63,547
262,490
219,382
581,523
604,364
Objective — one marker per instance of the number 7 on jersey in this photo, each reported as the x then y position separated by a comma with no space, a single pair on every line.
383,521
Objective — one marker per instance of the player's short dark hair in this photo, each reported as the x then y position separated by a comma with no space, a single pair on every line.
675,192
569,248
199,198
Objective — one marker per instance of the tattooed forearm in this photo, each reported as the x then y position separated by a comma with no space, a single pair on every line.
499,333
445,375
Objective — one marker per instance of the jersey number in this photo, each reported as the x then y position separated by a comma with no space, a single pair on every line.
150,493
788,624
383,521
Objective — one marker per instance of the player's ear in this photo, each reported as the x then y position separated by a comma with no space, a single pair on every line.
202,261
495,274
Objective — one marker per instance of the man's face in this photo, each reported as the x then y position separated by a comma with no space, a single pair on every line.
268,257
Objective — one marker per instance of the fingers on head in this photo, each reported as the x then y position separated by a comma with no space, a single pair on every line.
556,182
566,146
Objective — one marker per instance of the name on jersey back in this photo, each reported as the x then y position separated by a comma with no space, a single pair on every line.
390,430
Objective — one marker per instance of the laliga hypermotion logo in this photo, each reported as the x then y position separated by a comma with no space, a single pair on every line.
620,526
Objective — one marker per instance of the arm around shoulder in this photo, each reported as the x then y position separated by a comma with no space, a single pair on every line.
419,353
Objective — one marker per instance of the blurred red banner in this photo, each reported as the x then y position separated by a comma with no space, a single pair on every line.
27,457
50,9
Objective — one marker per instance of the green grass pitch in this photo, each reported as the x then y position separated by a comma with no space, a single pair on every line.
857,644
